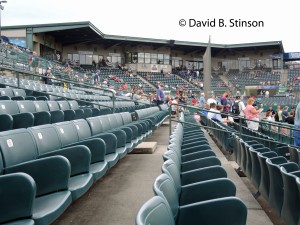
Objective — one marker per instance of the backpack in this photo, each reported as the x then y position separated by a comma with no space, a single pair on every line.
236,108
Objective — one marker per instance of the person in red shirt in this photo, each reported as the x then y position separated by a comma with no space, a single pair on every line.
194,101
125,87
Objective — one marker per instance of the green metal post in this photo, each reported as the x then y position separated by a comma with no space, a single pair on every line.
170,119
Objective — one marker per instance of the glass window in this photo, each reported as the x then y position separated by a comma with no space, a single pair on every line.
160,56
166,56
141,60
82,59
147,60
153,56
76,57
166,61
153,60
141,54
95,58
70,57
88,59
147,55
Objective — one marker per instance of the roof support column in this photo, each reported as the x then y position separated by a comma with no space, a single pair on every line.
29,38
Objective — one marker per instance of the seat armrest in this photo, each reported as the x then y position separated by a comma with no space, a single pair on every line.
50,174
206,190
225,211
74,153
207,173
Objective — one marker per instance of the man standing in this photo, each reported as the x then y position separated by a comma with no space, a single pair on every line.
238,108
160,96
202,100
225,103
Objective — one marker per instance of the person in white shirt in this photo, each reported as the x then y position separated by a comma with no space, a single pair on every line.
212,115
242,107
211,100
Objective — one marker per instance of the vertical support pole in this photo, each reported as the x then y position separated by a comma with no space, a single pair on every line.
170,119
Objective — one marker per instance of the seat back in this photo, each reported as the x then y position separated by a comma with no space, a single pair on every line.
73,104
9,107
26,106
165,188
126,117
63,105
67,133
41,106
6,92
171,169
95,125
264,185
17,194
19,92
106,126
276,183
291,200
53,105
83,129
46,138
17,146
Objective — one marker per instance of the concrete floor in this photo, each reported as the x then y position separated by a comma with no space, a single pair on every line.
116,198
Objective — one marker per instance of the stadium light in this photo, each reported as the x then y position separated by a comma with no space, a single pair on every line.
1,8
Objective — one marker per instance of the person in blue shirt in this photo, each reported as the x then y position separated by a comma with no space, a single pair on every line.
202,100
296,133
160,96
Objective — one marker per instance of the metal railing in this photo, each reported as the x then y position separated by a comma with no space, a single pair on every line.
268,124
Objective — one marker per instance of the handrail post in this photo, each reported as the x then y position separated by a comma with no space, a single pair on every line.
170,119
18,79
114,104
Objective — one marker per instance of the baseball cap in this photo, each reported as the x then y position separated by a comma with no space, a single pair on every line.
97,71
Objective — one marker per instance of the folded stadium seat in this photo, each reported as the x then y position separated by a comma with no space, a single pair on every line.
110,139
144,125
264,185
13,209
56,115
136,134
6,122
96,145
20,120
49,142
291,199
22,93
179,196
19,154
69,113
248,168
124,135
105,111
80,113
276,183
256,170
40,118
157,211
294,155
181,178
9,92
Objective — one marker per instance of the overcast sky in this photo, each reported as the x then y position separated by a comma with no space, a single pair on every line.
160,18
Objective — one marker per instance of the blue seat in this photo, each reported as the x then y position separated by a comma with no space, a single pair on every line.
48,143
40,118
20,120
276,184
19,154
291,200
17,203
164,186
